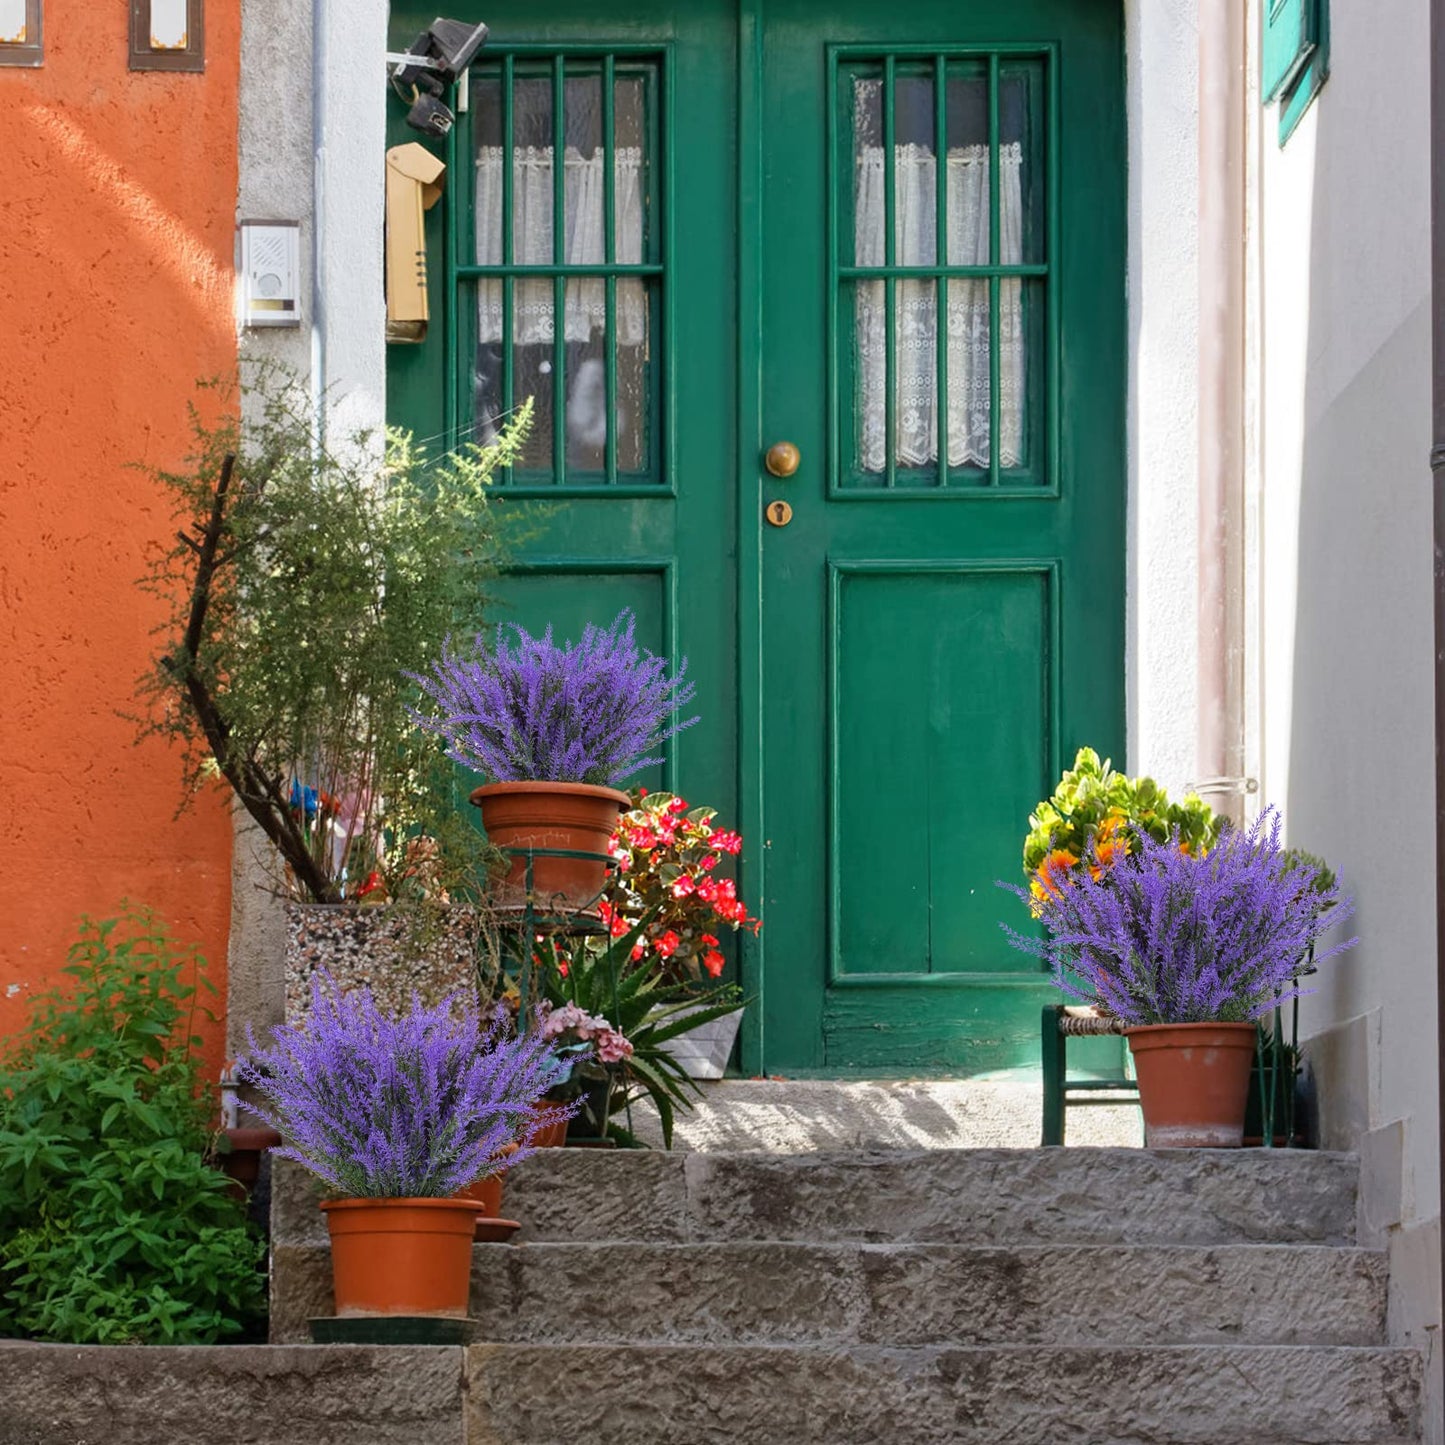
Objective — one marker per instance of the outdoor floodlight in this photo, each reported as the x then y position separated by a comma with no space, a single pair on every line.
443,51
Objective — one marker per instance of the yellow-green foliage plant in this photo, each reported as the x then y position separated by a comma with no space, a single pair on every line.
1096,814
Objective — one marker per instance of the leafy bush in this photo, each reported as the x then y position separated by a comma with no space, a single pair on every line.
303,579
113,1229
413,1107
592,711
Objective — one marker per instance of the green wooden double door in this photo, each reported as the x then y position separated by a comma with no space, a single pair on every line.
894,237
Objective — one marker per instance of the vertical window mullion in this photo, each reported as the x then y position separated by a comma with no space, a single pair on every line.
559,259
994,260
890,290
940,165
609,232
508,163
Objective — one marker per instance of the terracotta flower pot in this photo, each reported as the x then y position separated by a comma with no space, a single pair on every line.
401,1256
575,817
1193,1083
550,1136
486,1194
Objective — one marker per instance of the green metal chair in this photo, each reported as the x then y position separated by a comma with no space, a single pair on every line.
1062,1022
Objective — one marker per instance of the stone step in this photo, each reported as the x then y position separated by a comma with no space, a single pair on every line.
897,1295
650,1395
966,1196
230,1395
785,1395
915,1295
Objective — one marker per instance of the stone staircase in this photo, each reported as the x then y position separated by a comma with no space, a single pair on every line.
989,1296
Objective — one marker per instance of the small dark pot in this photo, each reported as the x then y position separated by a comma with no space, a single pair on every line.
242,1162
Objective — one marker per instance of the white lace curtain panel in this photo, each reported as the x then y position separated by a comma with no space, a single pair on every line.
915,233
584,243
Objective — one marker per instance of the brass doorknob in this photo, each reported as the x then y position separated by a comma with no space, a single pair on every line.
782,459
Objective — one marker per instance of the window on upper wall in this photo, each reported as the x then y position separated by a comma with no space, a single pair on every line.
1295,57
20,33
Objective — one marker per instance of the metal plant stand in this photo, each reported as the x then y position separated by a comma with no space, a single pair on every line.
539,916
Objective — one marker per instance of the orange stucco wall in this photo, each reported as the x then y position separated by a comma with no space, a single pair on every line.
117,212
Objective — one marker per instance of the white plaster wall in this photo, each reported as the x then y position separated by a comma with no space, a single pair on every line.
1346,564
351,96
1345,641
1163,79
312,138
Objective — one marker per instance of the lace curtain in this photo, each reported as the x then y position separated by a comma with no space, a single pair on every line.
916,308
583,244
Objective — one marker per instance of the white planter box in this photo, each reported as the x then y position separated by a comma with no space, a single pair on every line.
704,1051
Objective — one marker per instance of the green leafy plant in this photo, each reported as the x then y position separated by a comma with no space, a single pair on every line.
113,1228
1096,816
612,1016
305,577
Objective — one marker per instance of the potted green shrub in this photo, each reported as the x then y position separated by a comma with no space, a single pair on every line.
555,728
304,576
1188,950
400,1116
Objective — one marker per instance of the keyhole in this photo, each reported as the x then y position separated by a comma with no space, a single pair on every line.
779,513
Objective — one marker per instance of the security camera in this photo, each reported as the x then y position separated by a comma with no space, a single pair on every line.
443,51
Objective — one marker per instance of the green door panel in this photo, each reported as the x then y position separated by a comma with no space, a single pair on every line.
935,638
926,788
650,526
889,682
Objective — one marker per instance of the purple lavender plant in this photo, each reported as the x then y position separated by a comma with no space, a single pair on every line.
587,712
410,1108
1164,937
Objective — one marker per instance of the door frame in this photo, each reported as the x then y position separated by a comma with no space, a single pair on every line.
750,700
343,208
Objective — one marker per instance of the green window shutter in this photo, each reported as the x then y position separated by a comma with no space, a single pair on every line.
1291,32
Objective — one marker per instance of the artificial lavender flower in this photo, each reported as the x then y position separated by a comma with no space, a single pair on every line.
409,1108
592,711
1161,936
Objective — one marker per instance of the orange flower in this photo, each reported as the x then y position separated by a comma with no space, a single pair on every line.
1106,854
1052,876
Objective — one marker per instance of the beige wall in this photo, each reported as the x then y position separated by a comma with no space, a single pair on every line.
1344,564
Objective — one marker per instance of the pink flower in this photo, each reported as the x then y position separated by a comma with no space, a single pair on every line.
678,805
666,946
612,1048
683,887
712,960
728,842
